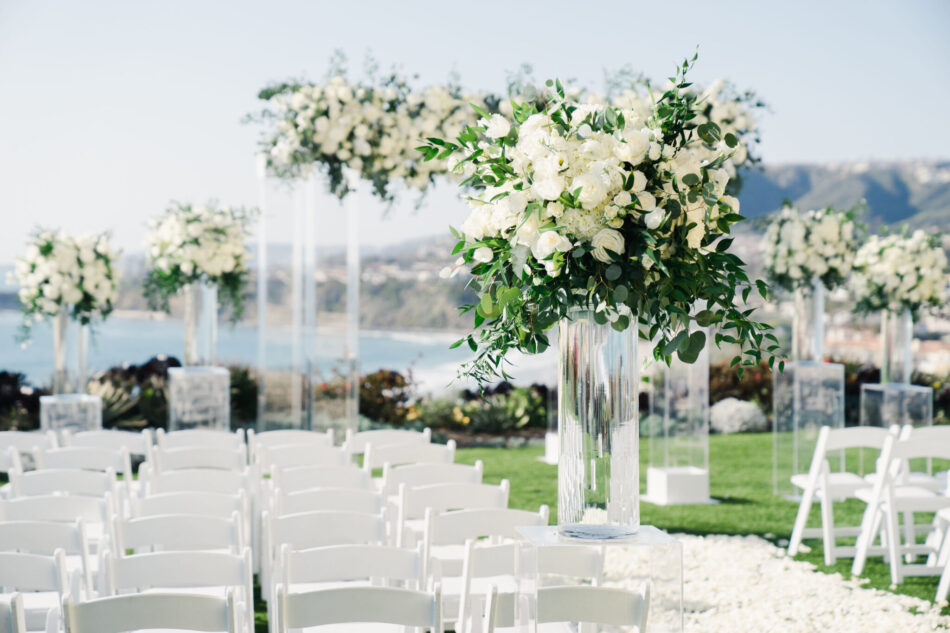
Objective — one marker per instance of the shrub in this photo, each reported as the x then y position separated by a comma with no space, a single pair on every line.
385,397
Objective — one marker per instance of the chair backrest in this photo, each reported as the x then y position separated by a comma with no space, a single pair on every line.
414,501
854,437
199,438
169,611
136,442
164,459
935,443
20,571
337,563
430,473
28,441
171,532
12,617
283,437
212,504
305,477
48,481
356,443
202,480
67,508
578,562
318,499
458,526
318,529
86,458
377,456
290,456
383,605
45,538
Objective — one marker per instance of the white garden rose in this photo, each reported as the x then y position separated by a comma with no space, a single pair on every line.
482,254
498,126
607,240
654,218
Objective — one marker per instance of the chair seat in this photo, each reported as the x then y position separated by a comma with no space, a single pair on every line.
842,485
913,498
921,480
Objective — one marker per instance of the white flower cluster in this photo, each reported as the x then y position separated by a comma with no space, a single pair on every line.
597,165
66,272
197,242
897,272
373,130
802,245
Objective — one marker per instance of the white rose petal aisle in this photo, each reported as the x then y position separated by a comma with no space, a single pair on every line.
605,222
901,276
807,253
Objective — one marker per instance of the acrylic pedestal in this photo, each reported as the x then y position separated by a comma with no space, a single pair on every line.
806,396
199,397
70,411
649,555
896,403
677,485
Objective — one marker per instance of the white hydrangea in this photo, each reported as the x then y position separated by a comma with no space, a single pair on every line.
898,271
800,246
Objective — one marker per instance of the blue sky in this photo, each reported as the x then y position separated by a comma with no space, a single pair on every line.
111,108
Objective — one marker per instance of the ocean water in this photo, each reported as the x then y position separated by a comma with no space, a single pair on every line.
128,340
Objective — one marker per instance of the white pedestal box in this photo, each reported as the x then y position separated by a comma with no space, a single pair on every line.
649,555
677,485
896,403
199,397
73,411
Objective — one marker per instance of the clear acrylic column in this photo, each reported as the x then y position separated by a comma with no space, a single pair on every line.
352,351
677,429
806,395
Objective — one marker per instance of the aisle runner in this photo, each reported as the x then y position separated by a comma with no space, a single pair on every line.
739,584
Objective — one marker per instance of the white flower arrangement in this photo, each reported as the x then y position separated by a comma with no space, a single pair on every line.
197,243
802,245
62,272
898,272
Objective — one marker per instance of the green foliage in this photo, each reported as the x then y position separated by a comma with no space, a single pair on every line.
384,397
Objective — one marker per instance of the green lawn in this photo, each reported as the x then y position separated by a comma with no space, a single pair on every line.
740,477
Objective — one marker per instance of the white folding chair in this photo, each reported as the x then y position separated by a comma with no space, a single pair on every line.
377,456
430,473
575,605
168,611
199,438
24,443
286,437
12,618
86,458
93,511
344,605
315,529
45,537
305,477
191,457
888,500
205,573
827,487
213,504
43,581
320,499
177,532
202,480
356,443
291,456
136,443
412,503
90,483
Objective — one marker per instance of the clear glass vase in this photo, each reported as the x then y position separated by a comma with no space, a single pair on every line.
60,332
897,334
808,327
201,323
598,468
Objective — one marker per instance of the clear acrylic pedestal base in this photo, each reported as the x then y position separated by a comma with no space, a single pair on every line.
70,411
199,397
678,485
896,403
806,396
649,555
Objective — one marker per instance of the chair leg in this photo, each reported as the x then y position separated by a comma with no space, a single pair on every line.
909,537
942,557
893,543
828,529
869,527
801,520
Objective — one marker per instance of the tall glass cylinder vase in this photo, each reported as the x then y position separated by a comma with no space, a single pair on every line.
60,331
897,334
808,327
191,296
82,378
208,325
598,469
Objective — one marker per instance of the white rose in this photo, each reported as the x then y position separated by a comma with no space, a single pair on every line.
549,242
548,188
639,181
482,254
654,218
593,189
646,201
498,126
607,240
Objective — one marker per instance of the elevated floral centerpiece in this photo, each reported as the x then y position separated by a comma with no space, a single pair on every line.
66,277
603,221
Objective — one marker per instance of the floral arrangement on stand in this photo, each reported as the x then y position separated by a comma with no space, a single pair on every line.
800,246
197,244
899,272
62,272
580,205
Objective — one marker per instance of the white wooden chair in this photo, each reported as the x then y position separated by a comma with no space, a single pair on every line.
72,481
377,456
177,532
827,487
412,503
150,611
306,477
356,443
320,499
286,437
204,573
136,443
93,511
575,604
429,473
43,581
45,538
191,457
315,529
25,443
199,438
291,456
202,480
12,618
377,605
211,504
86,458
888,500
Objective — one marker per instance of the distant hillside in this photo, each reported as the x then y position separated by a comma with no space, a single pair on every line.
914,192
